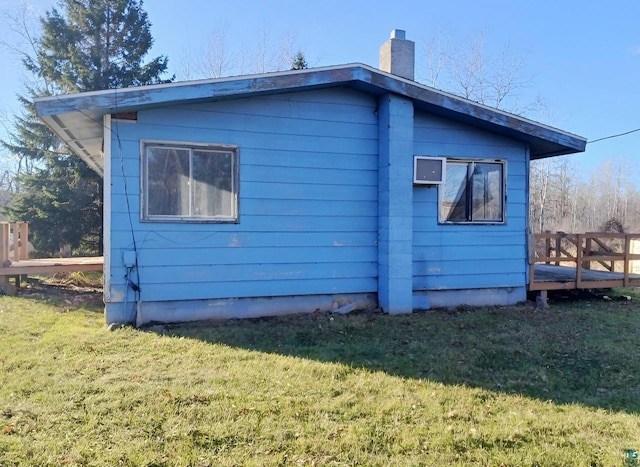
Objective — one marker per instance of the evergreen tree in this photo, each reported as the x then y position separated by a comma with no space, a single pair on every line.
299,62
96,44
85,45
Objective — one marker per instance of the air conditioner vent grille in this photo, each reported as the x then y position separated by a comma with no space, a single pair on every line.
429,170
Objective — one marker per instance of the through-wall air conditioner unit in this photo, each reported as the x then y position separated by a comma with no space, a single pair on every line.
429,170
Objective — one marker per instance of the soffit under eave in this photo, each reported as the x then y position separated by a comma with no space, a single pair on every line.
82,134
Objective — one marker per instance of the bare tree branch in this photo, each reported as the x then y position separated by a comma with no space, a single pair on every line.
470,71
435,51
219,57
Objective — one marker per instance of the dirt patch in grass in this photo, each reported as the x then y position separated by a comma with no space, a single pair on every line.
65,292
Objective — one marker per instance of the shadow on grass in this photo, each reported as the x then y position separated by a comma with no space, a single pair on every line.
580,351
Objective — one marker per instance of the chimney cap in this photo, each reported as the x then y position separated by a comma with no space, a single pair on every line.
398,34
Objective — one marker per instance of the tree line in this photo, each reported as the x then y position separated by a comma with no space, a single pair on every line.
564,198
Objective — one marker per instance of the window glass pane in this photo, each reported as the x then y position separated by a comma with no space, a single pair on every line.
487,192
454,198
190,182
168,181
213,184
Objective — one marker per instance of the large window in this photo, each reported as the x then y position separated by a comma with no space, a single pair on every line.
184,182
474,192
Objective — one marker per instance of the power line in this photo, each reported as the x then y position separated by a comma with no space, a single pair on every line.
613,136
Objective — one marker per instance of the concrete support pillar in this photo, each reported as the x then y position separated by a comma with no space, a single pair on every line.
395,204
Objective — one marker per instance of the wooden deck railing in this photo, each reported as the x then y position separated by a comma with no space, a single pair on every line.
618,254
14,242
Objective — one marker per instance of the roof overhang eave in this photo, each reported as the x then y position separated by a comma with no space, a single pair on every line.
85,111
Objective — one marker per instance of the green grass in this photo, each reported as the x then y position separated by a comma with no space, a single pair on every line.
491,386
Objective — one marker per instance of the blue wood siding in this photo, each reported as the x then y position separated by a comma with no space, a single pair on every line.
308,200
468,256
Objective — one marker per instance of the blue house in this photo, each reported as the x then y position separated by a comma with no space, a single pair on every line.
334,188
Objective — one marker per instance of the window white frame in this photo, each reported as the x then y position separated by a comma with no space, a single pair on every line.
468,218
188,207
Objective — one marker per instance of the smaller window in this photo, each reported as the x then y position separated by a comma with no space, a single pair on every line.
183,182
474,192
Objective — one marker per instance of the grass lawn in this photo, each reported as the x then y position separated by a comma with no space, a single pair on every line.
490,386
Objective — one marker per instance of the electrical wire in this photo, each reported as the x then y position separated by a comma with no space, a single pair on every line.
613,136
135,286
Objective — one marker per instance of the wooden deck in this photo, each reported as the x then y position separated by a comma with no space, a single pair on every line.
552,277
584,261
15,261
53,265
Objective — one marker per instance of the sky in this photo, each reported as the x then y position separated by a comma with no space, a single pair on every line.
583,58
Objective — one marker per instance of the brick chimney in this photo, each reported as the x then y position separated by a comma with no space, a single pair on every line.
397,55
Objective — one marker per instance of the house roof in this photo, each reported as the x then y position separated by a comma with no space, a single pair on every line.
78,118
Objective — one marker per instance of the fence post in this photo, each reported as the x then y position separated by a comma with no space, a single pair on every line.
627,262
24,240
612,263
579,261
587,252
558,248
547,246
5,288
14,236
4,243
